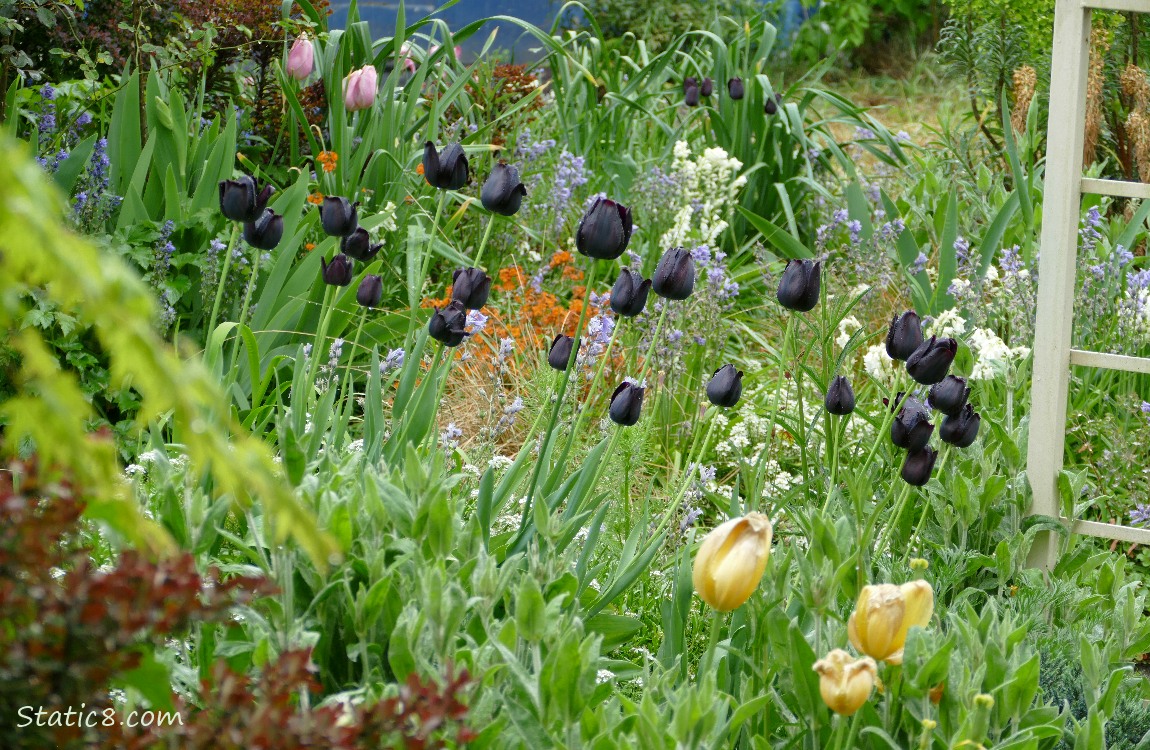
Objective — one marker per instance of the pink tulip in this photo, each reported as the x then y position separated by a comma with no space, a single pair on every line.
456,49
301,58
359,88
408,63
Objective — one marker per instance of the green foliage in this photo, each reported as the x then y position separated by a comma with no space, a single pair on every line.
661,24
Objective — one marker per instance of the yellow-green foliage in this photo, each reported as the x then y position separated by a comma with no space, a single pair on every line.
37,251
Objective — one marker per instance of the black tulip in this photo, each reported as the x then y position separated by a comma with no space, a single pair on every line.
447,170
358,245
949,395
560,353
470,287
706,88
629,295
338,216
691,97
266,231
626,403
690,82
799,286
242,200
961,429
338,272
449,324
904,335
503,192
917,466
931,360
675,275
370,291
911,429
840,397
604,230
725,387
735,88
771,105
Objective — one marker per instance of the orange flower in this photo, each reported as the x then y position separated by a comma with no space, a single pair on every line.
315,198
560,258
419,169
328,160
309,246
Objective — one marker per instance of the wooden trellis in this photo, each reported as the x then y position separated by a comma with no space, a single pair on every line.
1053,353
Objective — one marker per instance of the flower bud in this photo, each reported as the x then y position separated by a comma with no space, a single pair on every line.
885,613
449,324
725,387
735,88
604,230
241,200
629,295
840,397
771,105
949,395
674,277
300,59
560,353
470,287
918,465
370,291
690,82
447,170
360,88
845,683
961,429
338,272
930,361
358,245
503,192
904,335
911,429
691,97
799,287
338,216
731,560
706,88
265,232
626,404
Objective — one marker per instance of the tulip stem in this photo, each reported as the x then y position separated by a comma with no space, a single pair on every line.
244,313
426,260
896,406
893,521
837,426
591,390
926,509
708,659
227,267
756,490
321,333
647,358
483,241
348,391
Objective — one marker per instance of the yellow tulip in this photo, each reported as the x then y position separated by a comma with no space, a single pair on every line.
883,615
845,682
731,561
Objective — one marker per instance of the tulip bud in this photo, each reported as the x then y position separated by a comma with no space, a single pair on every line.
690,82
726,386
338,216
338,272
446,171
961,429
840,397
706,88
503,192
918,465
358,245
370,291
845,682
799,287
931,360
470,287
360,88
265,232
771,105
675,275
604,230
449,324
560,353
735,88
301,58
949,395
626,403
885,613
911,429
629,295
731,560
241,200
691,98
904,335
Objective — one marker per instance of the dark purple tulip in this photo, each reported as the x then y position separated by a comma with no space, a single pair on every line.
370,291
917,466
735,88
725,387
691,97
961,430
560,353
242,200
629,295
911,429
706,88
771,105
904,336
931,360
604,230
338,216
446,171
503,192
690,82
799,287
840,398
626,403
358,245
266,231
449,324
949,395
471,287
338,272
675,275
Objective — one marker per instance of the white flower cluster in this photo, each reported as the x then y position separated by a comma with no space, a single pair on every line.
994,356
878,364
708,188
948,324
847,328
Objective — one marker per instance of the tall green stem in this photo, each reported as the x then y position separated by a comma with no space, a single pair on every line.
483,241
227,267
321,333
244,312
760,465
